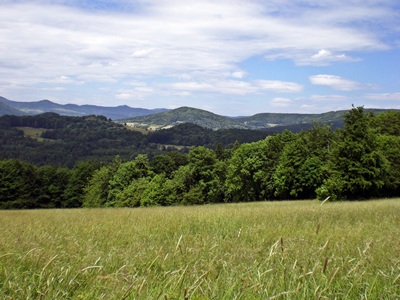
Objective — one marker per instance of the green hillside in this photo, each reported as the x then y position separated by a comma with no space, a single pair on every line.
185,114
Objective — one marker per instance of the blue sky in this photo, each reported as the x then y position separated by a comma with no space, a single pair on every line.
231,57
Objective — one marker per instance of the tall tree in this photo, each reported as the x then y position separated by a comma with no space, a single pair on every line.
125,174
97,189
390,146
52,183
78,179
18,184
251,168
357,167
299,172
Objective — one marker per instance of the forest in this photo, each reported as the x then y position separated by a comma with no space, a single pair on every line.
359,161
64,140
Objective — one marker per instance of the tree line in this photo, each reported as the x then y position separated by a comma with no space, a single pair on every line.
359,161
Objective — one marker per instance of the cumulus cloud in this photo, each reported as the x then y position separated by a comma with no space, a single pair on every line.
326,54
325,57
335,82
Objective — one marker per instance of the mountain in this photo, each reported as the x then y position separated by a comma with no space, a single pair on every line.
9,110
33,108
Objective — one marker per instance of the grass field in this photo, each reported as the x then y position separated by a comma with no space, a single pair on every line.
264,250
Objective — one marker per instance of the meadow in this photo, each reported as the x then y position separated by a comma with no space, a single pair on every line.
34,133
261,250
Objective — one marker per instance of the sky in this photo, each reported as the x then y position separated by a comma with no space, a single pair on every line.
230,57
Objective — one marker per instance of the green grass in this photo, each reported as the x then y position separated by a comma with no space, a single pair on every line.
264,250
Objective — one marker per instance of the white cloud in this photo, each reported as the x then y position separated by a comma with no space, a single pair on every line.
281,102
384,96
139,91
232,87
142,52
329,98
307,106
335,82
322,54
124,95
56,89
236,87
314,57
325,57
279,86
65,80
191,86
238,74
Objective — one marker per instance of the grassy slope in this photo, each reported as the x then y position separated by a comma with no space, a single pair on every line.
283,250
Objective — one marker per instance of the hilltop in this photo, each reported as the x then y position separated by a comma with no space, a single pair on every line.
185,114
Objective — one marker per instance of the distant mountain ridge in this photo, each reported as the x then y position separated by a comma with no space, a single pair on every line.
37,107
153,119
6,109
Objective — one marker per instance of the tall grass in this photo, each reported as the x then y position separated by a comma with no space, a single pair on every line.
269,250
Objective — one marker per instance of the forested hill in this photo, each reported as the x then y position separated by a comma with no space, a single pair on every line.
268,120
188,134
185,114
51,139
